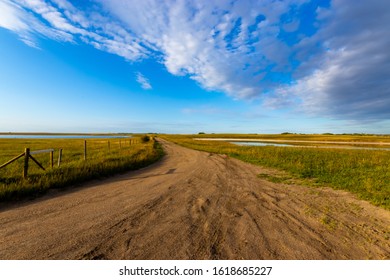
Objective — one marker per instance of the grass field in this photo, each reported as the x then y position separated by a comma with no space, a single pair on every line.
104,158
365,173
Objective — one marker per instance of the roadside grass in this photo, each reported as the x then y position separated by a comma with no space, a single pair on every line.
105,157
366,173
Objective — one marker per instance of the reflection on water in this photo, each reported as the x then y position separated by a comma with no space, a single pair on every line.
306,146
261,144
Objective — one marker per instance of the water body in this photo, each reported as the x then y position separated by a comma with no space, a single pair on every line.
262,144
59,136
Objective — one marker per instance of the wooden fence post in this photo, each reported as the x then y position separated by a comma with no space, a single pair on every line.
26,157
59,157
108,143
85,149
120,144
51,159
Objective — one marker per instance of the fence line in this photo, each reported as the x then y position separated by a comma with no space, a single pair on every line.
121,143
85,149
59,157
28,154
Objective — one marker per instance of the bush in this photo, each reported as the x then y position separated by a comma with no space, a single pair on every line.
145,139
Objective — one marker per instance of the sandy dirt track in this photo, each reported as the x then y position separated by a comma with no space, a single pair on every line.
194,205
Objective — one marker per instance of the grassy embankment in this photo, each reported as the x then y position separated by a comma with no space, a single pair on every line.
103,160
365,173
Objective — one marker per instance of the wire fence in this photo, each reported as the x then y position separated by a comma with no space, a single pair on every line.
73,151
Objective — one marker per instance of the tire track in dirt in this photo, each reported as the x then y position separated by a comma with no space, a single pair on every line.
194,205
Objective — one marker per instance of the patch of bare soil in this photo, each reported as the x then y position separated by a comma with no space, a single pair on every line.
195,205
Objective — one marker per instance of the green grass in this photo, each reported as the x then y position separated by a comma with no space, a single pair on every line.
102,161
365,173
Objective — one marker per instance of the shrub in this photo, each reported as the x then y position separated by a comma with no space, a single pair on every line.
145,139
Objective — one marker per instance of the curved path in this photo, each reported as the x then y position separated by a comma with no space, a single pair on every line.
194,205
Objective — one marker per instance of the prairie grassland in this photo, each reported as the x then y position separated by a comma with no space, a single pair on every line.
104,157
365,173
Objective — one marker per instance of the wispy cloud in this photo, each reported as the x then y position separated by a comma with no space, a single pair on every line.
143,81
61,21
330,59
16,18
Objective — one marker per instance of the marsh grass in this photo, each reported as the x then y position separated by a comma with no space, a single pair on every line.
365,173
102,160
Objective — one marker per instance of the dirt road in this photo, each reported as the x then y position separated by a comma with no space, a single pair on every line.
194,205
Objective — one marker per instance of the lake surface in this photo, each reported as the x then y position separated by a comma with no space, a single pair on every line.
262,144
58,136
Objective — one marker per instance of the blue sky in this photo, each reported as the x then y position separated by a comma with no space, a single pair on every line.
188,66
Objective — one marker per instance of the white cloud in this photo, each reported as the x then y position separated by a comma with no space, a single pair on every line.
11,17
291,26
235,46
210,41
143,81
26,25
61,21
350,79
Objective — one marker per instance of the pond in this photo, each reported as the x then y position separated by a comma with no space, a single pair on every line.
261,144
